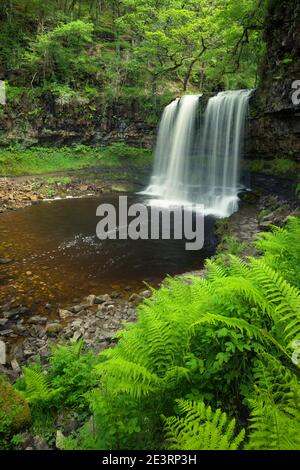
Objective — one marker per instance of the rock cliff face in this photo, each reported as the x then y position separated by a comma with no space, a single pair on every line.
275,120
47,121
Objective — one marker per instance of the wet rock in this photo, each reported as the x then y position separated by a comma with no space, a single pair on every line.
15,312
28,353
53,328
15,366
146,293
3,322
36,320
19,329
63,314
77,335
5,260
115,295
35,331
77,308
265,224
249,197
2,352
27,440
6,332
10,374
135,299
90,299
77,323
44,352
9,314
100,299
107,335
100,346
40,443
16,352
66,422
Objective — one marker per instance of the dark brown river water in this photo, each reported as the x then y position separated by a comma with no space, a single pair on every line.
58,259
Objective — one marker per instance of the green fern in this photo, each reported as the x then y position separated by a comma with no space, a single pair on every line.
200,428
199,338
282,251
38,391
275,407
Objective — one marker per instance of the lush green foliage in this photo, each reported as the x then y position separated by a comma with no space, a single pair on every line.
78,50
281,253
62,387
281,166
201,345
201,429
16,160
68,378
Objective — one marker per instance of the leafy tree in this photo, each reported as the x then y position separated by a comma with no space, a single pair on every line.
60,55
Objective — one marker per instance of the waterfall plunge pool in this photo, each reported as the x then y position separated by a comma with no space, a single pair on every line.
57,258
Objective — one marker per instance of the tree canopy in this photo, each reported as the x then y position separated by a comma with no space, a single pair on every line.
131,46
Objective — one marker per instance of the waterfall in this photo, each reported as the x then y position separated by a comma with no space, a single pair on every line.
197,157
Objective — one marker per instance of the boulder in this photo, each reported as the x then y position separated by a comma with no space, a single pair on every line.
14,410
100,299
135,299
40,443
77,308
90,299
63,314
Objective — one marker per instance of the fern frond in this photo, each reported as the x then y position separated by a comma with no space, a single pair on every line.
214,270
38,390
200,428
275,407
121,376
231,322
284,298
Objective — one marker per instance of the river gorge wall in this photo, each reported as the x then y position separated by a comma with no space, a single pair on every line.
274,127
48,121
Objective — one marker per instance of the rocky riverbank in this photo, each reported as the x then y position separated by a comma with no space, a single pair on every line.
27,337
19,192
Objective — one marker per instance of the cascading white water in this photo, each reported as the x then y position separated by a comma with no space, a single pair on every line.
197,160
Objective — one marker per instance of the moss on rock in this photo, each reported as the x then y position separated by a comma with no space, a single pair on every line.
14,411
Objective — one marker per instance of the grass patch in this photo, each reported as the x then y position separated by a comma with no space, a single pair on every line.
17,161
280,166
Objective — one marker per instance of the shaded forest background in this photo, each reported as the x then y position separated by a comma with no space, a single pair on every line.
77,49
